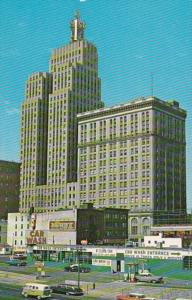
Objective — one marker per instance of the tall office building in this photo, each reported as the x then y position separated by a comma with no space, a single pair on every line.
49,123
133,156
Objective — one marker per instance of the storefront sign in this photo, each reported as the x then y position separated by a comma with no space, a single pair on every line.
62,225
36,237
101,262
33,221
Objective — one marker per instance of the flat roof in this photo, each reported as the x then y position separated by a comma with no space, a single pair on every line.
171,227
140,100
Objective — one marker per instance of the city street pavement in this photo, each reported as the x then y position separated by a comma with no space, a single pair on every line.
11,292
109,291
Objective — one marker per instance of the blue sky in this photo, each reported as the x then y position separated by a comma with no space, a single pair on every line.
134,38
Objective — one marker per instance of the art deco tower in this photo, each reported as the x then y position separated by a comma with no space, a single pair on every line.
49,123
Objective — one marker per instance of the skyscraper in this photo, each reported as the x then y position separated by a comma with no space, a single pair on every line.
49,123
133,156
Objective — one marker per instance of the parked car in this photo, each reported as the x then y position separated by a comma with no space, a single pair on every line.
74,268
137,295
67,289
131,296
16,262
19,256
36,290
149,278
144,273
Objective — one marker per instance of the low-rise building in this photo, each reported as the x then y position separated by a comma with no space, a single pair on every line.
68,227
102,226
18,224
57,227
184,232
158,241
42,228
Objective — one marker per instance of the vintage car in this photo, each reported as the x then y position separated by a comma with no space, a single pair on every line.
67,289
74,268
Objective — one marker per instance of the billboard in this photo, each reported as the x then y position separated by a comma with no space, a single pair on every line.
62,225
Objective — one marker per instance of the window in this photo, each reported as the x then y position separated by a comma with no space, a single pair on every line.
134,226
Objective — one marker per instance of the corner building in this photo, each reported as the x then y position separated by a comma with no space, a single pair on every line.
133,156
49,123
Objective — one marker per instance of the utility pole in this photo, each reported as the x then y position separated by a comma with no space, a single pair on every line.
78,261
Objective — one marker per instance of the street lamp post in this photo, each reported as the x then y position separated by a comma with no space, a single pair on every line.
13,237
78,261
79,250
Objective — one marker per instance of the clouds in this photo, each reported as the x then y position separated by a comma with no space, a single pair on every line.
7,107
22,24
12,111
137,56
4,102
9,52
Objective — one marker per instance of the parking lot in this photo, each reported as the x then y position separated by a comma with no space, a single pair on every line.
107,285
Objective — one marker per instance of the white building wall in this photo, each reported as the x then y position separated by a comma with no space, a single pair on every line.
18,223
59,237
158,241
19,228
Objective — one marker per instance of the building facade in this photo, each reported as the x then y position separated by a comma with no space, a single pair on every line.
184,232
102,226
133,156
18,224
158,241
9,187
3,232
68,227
49,123
25,230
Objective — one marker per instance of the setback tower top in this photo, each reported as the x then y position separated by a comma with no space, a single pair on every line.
77,28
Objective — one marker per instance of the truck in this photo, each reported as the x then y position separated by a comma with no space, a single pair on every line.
36,290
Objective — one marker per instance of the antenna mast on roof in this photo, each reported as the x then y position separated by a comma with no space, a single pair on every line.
152,84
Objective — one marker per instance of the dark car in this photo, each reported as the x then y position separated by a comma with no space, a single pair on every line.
74,268
67,289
